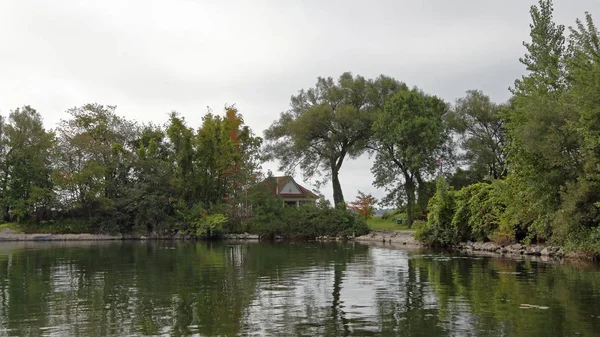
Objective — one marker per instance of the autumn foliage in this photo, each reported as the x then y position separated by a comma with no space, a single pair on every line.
364,205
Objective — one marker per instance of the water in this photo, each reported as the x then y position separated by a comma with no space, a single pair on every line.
303,289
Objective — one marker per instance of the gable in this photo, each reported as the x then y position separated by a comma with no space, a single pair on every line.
290,189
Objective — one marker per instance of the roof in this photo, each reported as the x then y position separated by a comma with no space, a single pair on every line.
276,184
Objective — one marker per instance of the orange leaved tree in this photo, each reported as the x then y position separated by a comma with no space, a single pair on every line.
364,205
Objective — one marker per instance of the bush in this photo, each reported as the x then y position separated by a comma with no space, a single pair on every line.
474,212
438,228
272,218
200,223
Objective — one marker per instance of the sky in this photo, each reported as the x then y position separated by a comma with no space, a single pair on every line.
151,57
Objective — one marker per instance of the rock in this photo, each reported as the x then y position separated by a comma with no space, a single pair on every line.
41,237
545,252
516,246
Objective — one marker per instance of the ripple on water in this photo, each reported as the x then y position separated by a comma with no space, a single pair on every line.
301,289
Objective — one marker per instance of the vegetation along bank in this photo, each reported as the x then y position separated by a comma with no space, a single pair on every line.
525,171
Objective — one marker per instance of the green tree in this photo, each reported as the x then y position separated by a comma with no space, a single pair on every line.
480,124
544,152
327,124
410,135
150,198
579,214
27,166
181,141
227,156
96,150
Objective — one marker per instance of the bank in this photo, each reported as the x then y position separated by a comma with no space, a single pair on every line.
396,238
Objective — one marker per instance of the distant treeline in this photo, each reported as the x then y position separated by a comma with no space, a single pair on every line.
109,174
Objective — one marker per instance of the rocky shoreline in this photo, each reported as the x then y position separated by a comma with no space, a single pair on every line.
513,249
403,238
398,238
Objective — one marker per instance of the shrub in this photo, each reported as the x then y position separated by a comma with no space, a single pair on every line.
473,213
272,218
438,228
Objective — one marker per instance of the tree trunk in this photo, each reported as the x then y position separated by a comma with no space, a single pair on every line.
409,185
338,195
422,197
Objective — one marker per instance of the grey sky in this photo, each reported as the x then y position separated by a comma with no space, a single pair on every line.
152,57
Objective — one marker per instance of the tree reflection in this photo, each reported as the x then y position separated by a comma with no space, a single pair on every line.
183,288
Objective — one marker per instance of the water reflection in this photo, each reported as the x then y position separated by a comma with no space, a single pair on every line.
182,288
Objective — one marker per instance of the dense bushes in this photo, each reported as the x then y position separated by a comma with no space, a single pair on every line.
474,212
272,218
498,212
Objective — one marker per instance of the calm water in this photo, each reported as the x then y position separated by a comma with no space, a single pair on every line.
208,289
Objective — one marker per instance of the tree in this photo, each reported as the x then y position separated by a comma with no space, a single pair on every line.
227,156
480,125
27,187
181,156
96,149
545,57
409,136
544,149
327,124
579,212
364,205
150,198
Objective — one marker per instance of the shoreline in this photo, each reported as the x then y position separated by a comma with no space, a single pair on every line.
404,238
394,238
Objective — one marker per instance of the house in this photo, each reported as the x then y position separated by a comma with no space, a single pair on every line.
289,190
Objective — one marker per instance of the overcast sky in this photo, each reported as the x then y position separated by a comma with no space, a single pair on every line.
152,57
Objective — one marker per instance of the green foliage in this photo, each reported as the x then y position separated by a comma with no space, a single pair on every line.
391,215
26,189
272,218
328,123
550,135
439,227
409,136
480,124
474,212
209,226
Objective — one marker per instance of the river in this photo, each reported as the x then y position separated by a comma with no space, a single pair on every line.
286,289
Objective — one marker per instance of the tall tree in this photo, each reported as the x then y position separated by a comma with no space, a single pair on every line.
182,154
410,133
544,148
27,185
149,200
579,212
545,53
96,158
480,124
227,153
327,124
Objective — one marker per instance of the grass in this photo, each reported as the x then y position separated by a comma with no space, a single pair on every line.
379,224
11,225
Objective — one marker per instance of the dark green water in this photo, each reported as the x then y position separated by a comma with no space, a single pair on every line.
182,288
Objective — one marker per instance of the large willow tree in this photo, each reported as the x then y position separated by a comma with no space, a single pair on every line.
327,124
